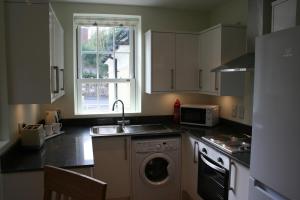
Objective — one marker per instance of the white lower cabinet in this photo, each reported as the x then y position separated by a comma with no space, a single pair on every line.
29,185
112,165
239,181
190,148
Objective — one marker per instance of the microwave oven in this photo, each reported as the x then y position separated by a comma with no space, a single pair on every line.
201,115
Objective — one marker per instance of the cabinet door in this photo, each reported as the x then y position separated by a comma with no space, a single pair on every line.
57,58
187,62
239,182
163,61
214,58
54,62
61,59
210,57
204,62
112,164
190,168
284,14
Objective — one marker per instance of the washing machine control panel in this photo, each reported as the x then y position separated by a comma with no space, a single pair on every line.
157,146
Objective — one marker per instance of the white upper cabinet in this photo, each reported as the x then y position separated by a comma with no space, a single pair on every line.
188,73
182,62
35,53
218,45
172,62
160,61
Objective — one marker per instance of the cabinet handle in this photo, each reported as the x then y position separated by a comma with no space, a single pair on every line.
196,151
200,78
125,149
216,81
172,78
63,84
232,185
56,90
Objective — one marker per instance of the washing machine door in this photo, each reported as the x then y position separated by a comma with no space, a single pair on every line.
157,169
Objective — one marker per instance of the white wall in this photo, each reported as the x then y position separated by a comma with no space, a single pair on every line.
230,12
152,18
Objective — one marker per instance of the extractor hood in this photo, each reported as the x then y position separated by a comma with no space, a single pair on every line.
259,23
240,64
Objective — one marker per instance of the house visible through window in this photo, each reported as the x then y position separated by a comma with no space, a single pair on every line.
106,63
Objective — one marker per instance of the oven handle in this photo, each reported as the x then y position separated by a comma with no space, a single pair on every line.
219,169
233,188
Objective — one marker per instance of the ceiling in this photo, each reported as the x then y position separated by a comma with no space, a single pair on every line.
203,5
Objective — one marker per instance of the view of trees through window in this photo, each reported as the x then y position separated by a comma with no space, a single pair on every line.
105,67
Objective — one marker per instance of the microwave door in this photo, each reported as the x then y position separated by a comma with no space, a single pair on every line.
193,115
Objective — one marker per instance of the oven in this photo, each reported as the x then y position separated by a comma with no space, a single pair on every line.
213,174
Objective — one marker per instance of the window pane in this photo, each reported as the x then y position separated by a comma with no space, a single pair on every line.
106,66
105,39
88,38
123,93
122,39
88,67
99,97
122,64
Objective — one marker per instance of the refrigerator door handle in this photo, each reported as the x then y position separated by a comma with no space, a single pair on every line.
267,192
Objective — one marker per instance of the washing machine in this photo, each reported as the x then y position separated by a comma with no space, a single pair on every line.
156,168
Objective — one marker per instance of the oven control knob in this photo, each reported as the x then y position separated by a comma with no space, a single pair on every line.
204,150
220,160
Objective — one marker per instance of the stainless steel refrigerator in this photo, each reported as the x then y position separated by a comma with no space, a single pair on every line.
275,150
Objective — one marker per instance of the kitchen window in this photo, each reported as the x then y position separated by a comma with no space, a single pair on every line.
107,65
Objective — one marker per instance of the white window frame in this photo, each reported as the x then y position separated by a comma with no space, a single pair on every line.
135,72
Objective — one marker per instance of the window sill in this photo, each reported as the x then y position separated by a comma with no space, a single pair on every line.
3,146
108,114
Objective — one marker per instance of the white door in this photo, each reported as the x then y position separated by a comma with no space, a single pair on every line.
112,165
239,182
187,62
163,61
190,168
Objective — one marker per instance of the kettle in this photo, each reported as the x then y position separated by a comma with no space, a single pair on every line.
52,116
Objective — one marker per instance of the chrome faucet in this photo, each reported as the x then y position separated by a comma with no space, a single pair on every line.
123,122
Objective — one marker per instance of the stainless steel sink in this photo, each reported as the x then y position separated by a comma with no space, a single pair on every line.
106,130
130,129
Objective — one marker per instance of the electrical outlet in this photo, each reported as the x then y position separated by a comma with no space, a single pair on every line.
21,126
241,111
234,111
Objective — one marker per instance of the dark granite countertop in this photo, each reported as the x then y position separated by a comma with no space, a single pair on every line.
74,148
69,150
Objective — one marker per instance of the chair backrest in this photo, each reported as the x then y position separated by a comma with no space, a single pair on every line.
65,184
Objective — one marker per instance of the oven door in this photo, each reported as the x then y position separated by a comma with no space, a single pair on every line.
212,179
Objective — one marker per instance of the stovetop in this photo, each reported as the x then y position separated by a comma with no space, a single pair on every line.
230,143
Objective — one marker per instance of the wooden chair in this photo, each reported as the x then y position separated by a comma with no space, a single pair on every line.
65,184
